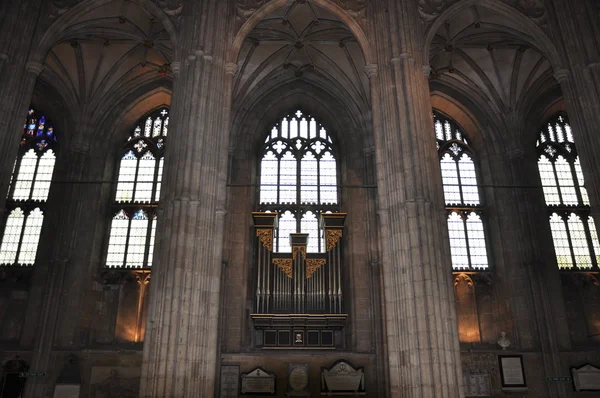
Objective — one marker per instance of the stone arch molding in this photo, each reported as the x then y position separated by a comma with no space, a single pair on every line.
523,12
68,11
251,12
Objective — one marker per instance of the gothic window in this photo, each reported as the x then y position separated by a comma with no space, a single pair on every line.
133,226
28,191
573,229
461,194
298,178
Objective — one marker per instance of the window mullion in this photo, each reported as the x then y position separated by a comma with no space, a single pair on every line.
148,237
576,183
590,243
127,239
574,259
33,178
466,229
460,187
155,181
20,244
15,175
558,186
135,179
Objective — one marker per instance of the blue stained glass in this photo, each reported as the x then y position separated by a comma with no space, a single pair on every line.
140,215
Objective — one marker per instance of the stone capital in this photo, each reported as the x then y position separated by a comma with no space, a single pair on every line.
34,67
427,70
562,75
372,70
176,68
231,68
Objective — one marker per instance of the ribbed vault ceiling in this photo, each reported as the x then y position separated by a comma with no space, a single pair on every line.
106,50
489,54
302,41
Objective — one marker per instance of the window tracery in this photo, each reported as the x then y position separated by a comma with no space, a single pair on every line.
573,229
133,226
461,194
28,191
298,178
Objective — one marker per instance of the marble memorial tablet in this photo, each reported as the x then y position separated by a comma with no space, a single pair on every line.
511,371
343,377
298,377
258,381
230,381
477,384
586,378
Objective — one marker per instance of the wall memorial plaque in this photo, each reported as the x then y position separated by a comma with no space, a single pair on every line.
476,384
298,381
230,381
258,381
512,372
586,378
342,377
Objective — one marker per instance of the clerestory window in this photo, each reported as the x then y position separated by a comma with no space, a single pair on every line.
133,225
461,194
573,229
298,178
28,191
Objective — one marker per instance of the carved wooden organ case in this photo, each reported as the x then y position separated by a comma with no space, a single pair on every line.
299,296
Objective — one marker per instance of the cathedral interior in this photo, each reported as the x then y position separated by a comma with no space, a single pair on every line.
299,198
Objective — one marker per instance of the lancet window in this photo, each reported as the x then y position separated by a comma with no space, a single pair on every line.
461,194
133,225
298,179
28,191
573,229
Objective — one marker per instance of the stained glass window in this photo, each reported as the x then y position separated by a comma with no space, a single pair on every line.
573,229
461,194
298,178
28,191
133,227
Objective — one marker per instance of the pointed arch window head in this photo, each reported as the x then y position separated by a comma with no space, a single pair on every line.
133,227
573,230
298,177
28,191
461,195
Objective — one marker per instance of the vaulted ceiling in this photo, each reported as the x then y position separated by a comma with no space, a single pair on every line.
105,54
488,56
302,41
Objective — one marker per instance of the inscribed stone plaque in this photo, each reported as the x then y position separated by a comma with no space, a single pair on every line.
342,376
511,371
298,377
477,384
258,381
67,391
586,378
230,381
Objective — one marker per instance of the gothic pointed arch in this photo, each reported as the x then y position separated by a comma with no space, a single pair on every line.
573,229
298,178
28,192
464,206
137,193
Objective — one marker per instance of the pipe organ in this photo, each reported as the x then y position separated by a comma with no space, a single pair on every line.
299,295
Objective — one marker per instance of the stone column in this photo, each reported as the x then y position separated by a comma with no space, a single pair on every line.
61,274
422,335
572,25
528,277
18,22
181,346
